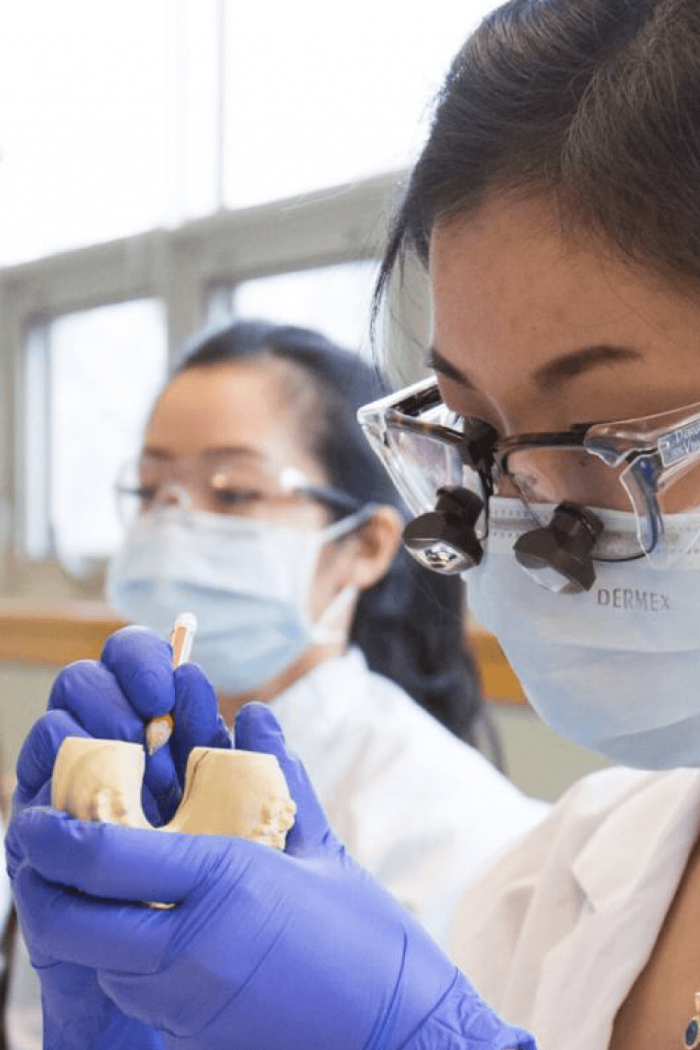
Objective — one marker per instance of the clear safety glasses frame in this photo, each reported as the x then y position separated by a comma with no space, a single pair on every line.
416,437
216,483
649,466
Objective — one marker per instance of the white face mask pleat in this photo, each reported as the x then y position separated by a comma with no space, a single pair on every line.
615,668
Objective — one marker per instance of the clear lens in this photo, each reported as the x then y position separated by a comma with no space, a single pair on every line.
417,438
135,492
144,485
546,477
230,484
677,492
420,465
678,488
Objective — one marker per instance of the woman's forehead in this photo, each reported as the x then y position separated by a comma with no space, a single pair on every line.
507,283
237,404
514,251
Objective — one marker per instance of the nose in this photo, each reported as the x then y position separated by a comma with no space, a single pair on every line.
173,495
505,487
541,475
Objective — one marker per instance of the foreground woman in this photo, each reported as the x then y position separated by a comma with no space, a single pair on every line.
556,205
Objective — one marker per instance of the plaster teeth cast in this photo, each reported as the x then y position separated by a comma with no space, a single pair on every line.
238,793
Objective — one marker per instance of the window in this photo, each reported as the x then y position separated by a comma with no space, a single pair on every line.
104,368
120,116
119,123
335,300
319,94
109,121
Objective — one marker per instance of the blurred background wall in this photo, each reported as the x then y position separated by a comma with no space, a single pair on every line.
166,164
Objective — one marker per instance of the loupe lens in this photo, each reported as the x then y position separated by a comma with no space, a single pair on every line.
421,465
544,478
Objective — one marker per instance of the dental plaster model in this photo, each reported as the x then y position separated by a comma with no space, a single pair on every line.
241,793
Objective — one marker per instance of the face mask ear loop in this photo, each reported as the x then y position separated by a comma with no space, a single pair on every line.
349,523
320,633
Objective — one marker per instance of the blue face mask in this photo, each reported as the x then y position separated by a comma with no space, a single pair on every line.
247,582
615,668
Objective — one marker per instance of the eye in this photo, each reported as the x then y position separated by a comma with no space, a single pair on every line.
464,423
234,497
143,494
470,408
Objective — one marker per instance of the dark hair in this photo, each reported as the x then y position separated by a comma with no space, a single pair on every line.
410,625
593,103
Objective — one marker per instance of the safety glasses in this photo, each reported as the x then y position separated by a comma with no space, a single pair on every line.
642,476
220,483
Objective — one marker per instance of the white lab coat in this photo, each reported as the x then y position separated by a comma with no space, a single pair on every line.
413,804
23,1011
23,1005
556,929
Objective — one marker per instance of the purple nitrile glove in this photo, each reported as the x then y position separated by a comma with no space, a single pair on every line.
262,949
132,683
113,699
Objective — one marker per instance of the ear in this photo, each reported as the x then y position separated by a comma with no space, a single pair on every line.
376,545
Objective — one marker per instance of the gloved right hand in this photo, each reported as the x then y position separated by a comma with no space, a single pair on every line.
262,951
112,698
115,698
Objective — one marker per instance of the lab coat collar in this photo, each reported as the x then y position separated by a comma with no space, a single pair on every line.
628,872
665,816
322,682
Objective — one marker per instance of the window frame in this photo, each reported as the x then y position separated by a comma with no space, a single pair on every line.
181,267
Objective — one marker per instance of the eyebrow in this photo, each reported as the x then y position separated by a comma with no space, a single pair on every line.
438,363
235,450
553,375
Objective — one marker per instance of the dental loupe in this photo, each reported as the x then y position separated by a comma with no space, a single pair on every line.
559,556
444,539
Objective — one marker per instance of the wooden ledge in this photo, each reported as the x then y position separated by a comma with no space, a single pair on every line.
499,682
57,634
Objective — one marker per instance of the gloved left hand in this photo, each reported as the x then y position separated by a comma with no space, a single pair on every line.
113,698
